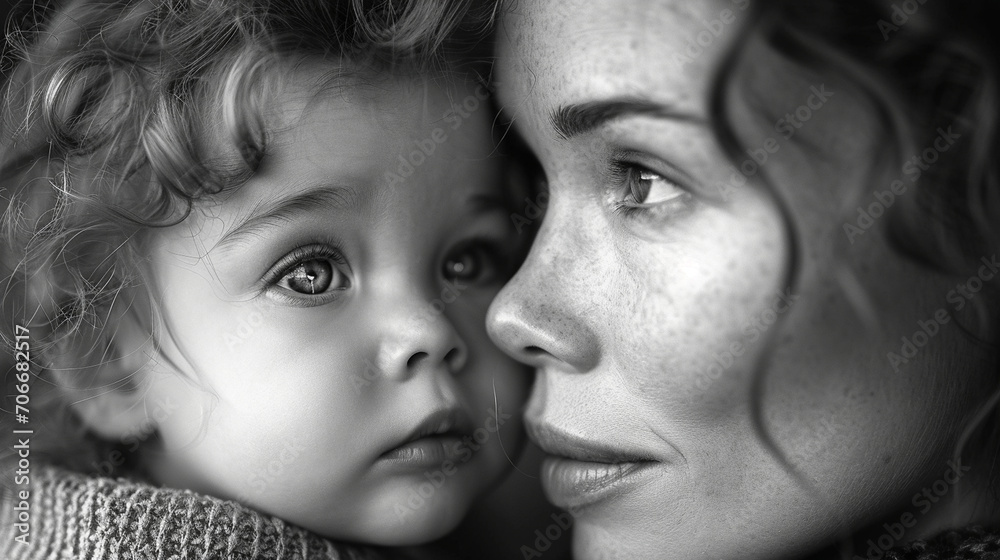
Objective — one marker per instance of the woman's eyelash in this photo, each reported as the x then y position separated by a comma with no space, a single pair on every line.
629,199
620,169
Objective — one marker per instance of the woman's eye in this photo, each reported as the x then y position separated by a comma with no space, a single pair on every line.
646,188
313,277
473,262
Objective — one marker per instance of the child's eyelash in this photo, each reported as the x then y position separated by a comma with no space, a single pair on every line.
325,250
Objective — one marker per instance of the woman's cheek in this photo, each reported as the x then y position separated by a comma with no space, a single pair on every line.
705,293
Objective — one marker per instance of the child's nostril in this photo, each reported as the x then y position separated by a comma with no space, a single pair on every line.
415,359
452,357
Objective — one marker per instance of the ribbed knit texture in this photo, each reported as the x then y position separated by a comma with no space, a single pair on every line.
77,517
974,543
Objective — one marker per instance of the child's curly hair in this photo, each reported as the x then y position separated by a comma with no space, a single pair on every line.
106,108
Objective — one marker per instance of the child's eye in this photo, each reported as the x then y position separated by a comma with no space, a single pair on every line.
474,261
314,276
309,273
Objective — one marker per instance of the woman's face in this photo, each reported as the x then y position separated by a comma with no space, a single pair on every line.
658,278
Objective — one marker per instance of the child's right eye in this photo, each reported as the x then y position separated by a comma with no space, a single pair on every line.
312,277
310,273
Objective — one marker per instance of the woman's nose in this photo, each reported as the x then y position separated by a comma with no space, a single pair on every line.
424,340
540,319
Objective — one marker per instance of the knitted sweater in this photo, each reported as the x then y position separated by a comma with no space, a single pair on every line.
73,516
976,542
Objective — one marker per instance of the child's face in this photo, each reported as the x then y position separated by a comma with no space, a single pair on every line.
332,314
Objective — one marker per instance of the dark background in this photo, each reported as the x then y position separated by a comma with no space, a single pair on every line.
6,7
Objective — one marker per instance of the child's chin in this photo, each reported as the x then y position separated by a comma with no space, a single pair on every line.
424,526
412,517
427,528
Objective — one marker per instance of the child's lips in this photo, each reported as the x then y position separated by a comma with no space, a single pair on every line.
436,439
426,452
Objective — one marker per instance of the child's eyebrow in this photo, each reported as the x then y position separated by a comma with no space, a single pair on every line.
262,217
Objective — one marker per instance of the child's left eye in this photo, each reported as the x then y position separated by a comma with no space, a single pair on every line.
474,261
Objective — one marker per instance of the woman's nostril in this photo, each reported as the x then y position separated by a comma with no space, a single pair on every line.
534,351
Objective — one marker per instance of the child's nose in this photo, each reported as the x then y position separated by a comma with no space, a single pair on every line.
425,343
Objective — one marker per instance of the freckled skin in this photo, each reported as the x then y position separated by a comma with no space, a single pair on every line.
626,317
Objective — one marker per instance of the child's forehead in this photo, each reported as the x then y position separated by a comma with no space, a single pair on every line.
319,90
370,136
387,112
291,102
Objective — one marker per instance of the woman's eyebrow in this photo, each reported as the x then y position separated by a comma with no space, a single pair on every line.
261,217
579,118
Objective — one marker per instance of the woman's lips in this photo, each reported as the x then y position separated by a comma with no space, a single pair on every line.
583,472
572,484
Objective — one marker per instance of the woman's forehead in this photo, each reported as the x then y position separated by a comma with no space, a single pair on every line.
572,51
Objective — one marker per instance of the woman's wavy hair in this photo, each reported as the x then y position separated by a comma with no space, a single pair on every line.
106,108
923,66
